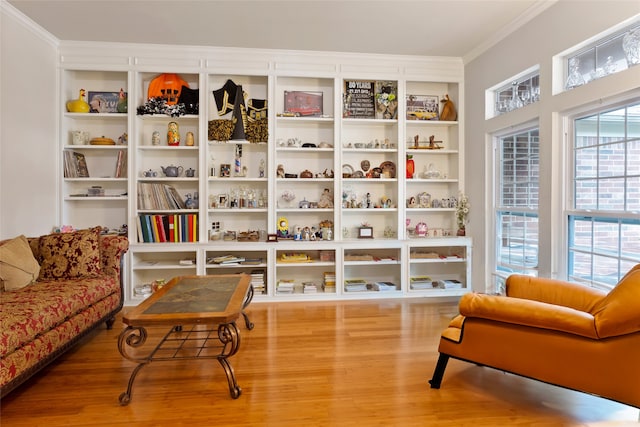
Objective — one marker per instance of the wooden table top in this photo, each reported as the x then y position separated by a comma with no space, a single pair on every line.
187,300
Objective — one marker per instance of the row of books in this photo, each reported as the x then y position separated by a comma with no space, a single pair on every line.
168,228
159,196
257,281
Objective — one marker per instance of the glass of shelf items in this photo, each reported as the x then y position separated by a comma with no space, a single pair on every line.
432,149
304,161
95,148
167,161
149,268
237,158
369,158
437,267
308,272
371,270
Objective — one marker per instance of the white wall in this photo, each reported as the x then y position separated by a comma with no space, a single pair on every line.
28,127
557,29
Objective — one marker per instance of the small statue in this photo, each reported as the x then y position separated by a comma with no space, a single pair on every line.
190,141
173,134
448,110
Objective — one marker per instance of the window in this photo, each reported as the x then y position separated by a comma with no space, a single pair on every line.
604,219
610,54
516,204
517,94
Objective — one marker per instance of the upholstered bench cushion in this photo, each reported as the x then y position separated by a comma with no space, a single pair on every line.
38,308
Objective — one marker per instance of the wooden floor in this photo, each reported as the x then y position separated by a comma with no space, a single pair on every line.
348,363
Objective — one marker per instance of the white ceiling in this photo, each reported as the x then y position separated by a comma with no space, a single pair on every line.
461,28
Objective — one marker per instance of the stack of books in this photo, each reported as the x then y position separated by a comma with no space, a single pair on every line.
449,284
421,282
257,281
309,288
284,286
329,281
226,260
384,286
355,285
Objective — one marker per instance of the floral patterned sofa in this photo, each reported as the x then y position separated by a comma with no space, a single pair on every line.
55,289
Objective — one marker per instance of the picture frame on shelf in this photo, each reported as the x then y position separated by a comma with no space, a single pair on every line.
359,99
104,102
386,100
299,103
423,107
365,232
225,170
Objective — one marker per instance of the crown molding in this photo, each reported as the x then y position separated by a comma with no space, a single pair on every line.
533,11
30,25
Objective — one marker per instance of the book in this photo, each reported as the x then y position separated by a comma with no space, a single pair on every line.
121,165
81,165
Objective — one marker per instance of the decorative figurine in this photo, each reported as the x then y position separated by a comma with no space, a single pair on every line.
261,169
448,110
173,134
78,105
190,141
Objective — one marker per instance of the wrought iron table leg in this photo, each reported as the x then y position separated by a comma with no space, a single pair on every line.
230,338
133,337
246,302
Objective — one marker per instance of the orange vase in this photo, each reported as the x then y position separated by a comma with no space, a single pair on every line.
411,167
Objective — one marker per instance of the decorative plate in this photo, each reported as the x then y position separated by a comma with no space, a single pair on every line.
347,171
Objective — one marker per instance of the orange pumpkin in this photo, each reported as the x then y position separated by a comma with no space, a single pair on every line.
167,86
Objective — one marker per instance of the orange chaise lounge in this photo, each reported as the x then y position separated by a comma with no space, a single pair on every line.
554,331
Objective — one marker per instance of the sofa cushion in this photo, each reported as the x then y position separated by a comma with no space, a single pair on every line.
70,255
18,266
619,312
34,310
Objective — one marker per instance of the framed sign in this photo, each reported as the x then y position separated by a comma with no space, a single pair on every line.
302,103
359,99
104,102
423,107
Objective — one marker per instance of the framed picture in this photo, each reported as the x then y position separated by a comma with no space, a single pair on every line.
104,102
365,232
359,99
423,107
302,103
222,201
386,100
225,170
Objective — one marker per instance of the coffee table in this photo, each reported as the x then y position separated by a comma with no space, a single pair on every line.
201,312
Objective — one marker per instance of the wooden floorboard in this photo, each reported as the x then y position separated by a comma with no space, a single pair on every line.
347,363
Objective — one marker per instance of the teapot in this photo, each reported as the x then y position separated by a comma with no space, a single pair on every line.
172,171
190,172
150,173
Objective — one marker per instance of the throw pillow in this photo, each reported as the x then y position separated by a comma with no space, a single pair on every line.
70,255
18,266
